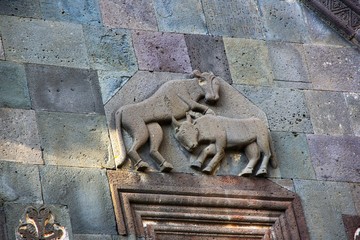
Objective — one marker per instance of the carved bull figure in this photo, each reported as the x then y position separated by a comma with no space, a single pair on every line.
220,133
174,98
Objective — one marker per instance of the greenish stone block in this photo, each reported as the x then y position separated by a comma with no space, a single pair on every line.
353,104
44,42
2,53
110,82
355,191
85,192
92,237
74,139
248,61
14,92
184,16
21,8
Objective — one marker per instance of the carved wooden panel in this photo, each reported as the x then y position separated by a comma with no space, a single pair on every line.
184,206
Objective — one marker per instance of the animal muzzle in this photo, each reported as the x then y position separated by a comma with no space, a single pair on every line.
211,99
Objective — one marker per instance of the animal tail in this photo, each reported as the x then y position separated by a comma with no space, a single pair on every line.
120,159
273,159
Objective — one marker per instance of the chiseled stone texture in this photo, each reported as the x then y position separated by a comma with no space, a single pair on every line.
284,20
92,237
355,190
14,92
110,82
110,49
74,139
19,139
21,8
335,158
19,183
293,155
184,16
323,204
353,104
86,193
78,11
289,64
207,53
248,61
133,14
16,212
285,108
2,53
333,68
328,112
64,89
233,18
166,52
46,42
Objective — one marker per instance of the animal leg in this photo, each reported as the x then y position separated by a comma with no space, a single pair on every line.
214,161
139,137
253,154
156,136
264,146
209,150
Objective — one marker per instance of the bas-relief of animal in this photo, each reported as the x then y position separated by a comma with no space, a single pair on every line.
221,133
174,98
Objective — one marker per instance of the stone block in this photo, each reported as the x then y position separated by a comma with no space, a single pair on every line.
92,237
351,223
248,61
328,112
44,42
19,183
3,234
165,52
234,18
14,92
324,203
74,139
285,108
333,68
180,16
207,53
110,49
63,89
21,8
110,82
353,105
355,190
77,11
284,21
2,53
133,14
335,157
293,155
285,183
19,139
85,192
16,212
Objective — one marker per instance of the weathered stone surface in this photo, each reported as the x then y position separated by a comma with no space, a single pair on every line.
351,223
85,192
335,157
92,237
2,53
328,112
19,183
323,204
355,190
184,16
233,18
77,11
333,68
133,14
353,104
15,213
207,53
285,108
21,8
110,49
63,89
74,139
3,234
14,92
284,20
110,82
46,42
293,155
161,51
285,183
19,139
248,61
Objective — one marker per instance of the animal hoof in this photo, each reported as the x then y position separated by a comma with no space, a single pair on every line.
207,170
141,166
196,165
246,172
261,172
166,167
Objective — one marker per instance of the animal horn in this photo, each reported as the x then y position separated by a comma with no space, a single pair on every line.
196,73
174,122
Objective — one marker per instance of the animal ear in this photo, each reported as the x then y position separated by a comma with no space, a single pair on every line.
175,123
196,73
188,117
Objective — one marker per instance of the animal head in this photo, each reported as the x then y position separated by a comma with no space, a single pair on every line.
186,133
210,85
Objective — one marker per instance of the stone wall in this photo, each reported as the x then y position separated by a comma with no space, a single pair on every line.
62,61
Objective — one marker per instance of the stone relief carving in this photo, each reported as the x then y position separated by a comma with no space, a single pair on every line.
220,133
173,99
39,224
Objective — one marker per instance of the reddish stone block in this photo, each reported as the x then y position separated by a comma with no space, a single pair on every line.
165,52
351,223
335,158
